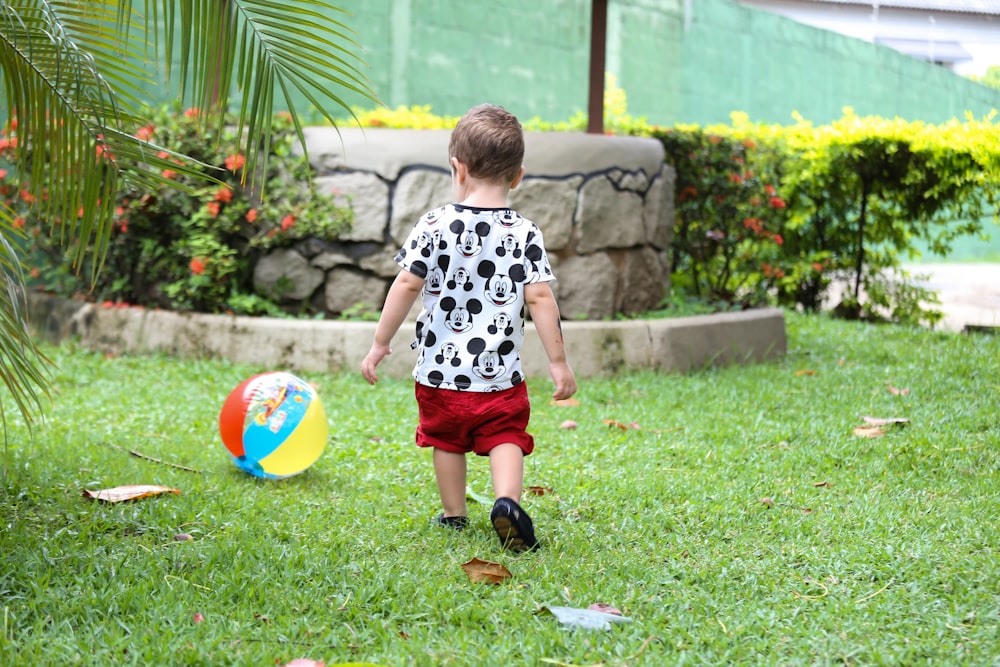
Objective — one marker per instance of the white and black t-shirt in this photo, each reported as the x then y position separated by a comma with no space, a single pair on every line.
476,262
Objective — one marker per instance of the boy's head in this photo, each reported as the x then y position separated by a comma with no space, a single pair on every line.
489,141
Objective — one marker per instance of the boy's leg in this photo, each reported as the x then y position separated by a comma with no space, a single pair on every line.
507,470
512,523
450,471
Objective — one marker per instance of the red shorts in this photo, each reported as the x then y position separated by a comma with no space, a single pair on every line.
473,421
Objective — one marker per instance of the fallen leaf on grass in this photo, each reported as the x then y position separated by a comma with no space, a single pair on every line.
129,492
479,498
875,421
587,619
183,537
197,618
604,607
538,490
823,483
767,502
305,662
569,423
565,402
869,432
624,427
898,392
802,372
486,572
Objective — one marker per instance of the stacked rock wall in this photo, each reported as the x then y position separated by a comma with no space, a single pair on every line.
604,205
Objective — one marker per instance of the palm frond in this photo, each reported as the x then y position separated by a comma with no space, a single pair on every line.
24,370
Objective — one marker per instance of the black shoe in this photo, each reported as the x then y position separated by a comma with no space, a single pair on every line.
453,522
513,525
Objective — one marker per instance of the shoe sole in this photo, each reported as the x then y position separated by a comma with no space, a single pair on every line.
509,536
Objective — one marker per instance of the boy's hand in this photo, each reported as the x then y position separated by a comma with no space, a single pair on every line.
376,354
565,380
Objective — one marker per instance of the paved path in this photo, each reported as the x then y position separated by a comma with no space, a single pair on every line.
969,293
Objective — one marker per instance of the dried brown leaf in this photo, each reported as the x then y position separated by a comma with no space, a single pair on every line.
606,608
485,572
568,424
869,431
767,502
898,392
823,483
804,371
129,492
538,490
565,402
615,423
892,421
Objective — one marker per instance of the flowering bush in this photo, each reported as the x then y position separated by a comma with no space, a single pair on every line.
729,216
192,247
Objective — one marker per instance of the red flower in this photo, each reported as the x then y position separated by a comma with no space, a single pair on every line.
213,208
198,266
234,162
252,215
776,202
192,112
817,267
287,222
749,144
19,222
734,178
3,174
163,155
687,193
754,225
168,173
144,133
224,195
769,189
778,239
27,197
34,273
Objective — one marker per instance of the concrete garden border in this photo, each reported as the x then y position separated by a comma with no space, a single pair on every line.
595,348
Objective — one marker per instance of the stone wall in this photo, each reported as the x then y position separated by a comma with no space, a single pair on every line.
604,205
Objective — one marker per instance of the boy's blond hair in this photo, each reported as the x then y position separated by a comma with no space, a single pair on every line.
489,140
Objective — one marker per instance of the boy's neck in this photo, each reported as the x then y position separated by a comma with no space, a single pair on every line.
485,195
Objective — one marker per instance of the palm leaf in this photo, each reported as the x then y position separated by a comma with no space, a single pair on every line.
74,75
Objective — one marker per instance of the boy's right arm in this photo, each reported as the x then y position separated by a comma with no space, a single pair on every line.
545,316
403,292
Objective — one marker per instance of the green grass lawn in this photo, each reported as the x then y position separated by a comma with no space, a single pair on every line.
743,522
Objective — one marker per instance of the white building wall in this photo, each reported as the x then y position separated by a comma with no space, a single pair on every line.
978,34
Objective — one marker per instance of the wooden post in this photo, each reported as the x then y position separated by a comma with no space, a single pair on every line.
598,44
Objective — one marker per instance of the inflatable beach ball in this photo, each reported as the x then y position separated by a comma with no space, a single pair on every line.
273,425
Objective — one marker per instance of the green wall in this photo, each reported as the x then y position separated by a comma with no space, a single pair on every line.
690,61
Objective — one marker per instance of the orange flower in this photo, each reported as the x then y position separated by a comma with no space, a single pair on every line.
776,202
778,239
769,189
144,133
224,195
234,162
27,197
3,174
817,267
168,173
192,112
34,273
163,155
198,266
252,215
19,222
213,208
287,222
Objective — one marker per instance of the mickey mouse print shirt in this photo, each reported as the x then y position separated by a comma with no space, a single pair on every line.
475,263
